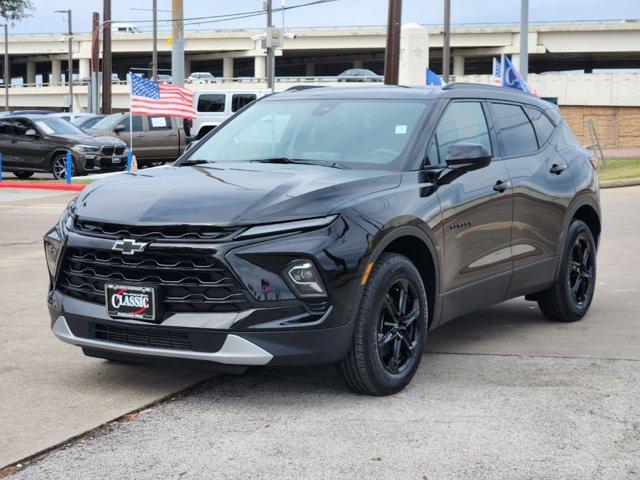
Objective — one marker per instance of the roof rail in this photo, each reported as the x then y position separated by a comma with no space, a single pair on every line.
297,88
482,86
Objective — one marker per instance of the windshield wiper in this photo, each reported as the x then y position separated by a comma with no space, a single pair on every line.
301,161
190,161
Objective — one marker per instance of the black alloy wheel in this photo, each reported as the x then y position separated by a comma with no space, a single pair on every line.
580,275
398,330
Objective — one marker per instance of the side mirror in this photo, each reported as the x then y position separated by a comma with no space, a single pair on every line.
119,128
31,133
465,156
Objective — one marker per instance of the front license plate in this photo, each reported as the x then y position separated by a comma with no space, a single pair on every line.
127,301
116,160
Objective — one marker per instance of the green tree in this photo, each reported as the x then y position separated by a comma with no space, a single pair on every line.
14,10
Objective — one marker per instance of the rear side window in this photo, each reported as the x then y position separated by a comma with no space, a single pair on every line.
543,126
462,122
159,123
211,103
239,100
516,131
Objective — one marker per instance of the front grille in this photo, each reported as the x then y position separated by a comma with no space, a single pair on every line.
144,336
108,150
119,150
187,282
153,232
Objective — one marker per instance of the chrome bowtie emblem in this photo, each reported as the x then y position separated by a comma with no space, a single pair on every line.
129,246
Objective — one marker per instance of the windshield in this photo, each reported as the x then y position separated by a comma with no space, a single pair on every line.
352,133
106,123
58,126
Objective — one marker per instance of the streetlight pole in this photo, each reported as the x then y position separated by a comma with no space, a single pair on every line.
6,75
392,50
446,47
270,54
154,58
177,50
524,39
70,53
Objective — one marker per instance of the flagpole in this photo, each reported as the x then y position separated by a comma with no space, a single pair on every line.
130,155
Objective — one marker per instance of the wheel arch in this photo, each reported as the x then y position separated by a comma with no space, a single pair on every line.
411,241
587,210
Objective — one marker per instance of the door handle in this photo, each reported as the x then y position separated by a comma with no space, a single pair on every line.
14,141
557,169
502,186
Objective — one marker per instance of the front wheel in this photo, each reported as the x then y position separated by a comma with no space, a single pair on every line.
59,167
570,296
390,329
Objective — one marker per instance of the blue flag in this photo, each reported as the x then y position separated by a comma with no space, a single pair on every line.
511,77
433,78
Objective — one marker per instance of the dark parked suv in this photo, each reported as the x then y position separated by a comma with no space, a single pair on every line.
332,225
39,143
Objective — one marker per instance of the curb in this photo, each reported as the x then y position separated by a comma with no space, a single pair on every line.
628,182
74,187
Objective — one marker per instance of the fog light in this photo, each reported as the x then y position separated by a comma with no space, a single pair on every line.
52,247
303,277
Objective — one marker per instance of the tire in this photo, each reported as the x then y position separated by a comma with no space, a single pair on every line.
371,367
58,161
23,175
570,297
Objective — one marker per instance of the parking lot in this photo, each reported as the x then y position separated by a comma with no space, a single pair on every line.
501,394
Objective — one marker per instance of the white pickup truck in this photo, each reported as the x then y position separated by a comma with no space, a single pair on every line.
215,106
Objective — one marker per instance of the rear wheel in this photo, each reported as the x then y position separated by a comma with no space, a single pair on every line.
570,296
23,175
390,329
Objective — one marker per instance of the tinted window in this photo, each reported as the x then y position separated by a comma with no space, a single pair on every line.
20,126
137,124
541,123
462,122
5,127
239,100
211,103
516,131
90,123
159,123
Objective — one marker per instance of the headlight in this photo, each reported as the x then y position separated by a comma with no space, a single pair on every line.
86,148
303,277
54,238
287,226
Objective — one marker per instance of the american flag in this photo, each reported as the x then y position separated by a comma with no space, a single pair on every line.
151,98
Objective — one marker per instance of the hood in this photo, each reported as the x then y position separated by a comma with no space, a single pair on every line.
83,139
227,194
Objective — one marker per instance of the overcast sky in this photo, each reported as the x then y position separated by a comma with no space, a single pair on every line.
340,12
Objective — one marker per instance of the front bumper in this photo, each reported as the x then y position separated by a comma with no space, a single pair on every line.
97,162
273,326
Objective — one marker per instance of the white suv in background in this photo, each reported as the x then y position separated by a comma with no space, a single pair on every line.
215,106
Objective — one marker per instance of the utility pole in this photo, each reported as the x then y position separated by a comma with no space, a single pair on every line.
177,50
95,63
392,51
70,57
271,67
524,39
446,42
106,57
6,74
154,57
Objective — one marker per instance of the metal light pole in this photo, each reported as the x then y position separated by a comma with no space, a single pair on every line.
177,50
524,39
446,40
70,55
271,73
6,75
392,50
107,59
154,57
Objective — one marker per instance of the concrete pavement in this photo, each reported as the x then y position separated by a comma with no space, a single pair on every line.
508,395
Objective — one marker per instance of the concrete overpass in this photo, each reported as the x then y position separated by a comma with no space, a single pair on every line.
328,51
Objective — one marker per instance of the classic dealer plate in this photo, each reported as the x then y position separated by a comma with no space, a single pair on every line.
127,301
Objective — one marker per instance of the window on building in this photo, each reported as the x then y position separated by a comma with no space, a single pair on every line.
516,132
211,103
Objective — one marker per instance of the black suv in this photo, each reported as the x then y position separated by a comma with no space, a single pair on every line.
332,225
40,143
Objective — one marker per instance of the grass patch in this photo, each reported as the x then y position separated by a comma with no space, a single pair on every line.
620,169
